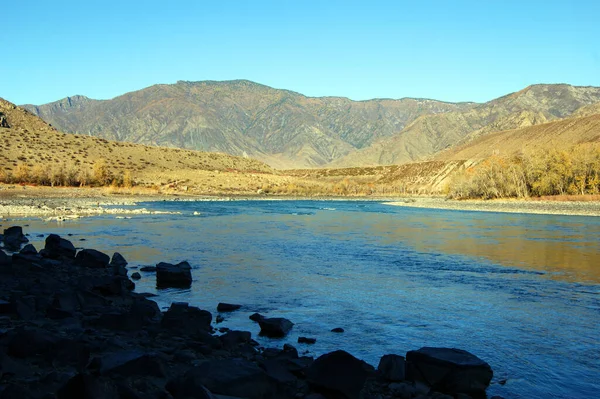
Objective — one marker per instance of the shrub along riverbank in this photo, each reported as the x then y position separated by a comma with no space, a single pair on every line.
72,327
544,172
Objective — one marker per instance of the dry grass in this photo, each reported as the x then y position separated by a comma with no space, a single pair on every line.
568,198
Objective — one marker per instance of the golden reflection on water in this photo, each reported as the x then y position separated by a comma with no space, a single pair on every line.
565,252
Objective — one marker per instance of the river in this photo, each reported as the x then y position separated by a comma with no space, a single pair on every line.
519,291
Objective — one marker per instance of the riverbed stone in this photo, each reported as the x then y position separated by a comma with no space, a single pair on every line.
57,247
131,362
274,327
392,367
234,338
449,370
186,319
5,260
232,377
28,249
118,263
89,386
227,307
176,276
13,238
339,373
92,258
256,317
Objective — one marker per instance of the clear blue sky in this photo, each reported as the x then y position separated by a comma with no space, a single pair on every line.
446,50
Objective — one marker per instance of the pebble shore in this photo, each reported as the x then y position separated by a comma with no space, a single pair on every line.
573,208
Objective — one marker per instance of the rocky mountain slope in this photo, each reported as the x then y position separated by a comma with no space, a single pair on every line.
29,143
280,127
564,134
430,134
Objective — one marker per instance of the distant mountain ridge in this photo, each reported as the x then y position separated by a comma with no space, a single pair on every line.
430,134
286,129
280,127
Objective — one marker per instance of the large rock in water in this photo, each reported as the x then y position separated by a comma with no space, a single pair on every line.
57,247
339,374
274,327
449,370
177,276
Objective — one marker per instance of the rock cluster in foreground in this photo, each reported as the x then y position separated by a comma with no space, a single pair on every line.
72,327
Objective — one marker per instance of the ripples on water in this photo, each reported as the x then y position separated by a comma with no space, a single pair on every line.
519,291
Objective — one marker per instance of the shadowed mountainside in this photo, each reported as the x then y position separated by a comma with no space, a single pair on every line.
280,127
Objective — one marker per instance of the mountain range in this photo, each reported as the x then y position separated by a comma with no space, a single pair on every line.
289,130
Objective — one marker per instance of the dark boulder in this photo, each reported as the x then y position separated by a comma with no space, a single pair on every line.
118,260
57,247
13,238
392,367
176,276
5,260
118,263
66,301
69,352
232,377
107,285
288,352
130,363
338,330
186,319
188,388
136,276
92,258
256,317
116,321
10,367
275,327
85,386
145,308
28,249
306,340
6,307
234,338
449,370
26,342
227,307
338,374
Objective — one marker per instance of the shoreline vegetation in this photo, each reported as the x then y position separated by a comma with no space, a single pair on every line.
72,326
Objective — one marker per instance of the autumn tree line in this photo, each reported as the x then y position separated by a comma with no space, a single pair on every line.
543,172
66,175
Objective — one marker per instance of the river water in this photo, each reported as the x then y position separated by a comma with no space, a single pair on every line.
520,291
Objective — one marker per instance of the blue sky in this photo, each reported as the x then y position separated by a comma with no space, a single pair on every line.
446,50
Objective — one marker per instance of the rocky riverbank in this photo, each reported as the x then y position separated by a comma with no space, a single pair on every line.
71,326
573,208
